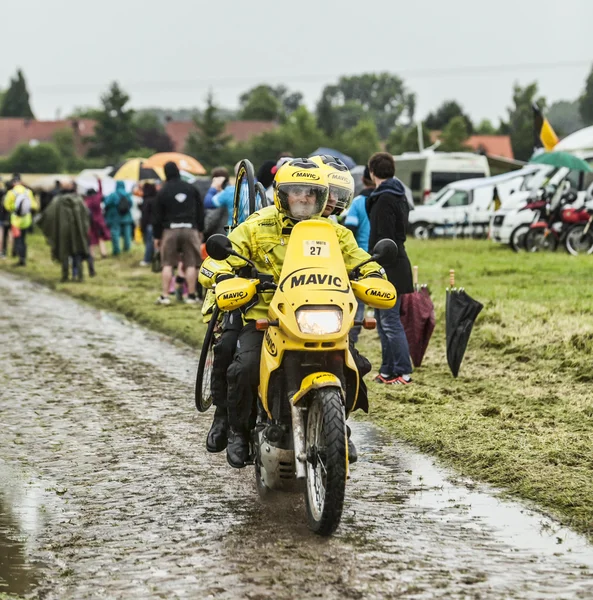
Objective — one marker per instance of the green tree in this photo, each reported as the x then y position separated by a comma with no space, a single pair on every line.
361,141
115,131
443,115
586,101
85,112
40,158
65,143
454,135
15,101
485,127
520,123
150,133
404,138
564,117
209,144
260,104
382,96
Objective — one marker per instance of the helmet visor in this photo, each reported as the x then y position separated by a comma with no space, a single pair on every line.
339,198
302,201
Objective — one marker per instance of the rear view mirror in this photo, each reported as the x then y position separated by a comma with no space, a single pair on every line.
385,252
219,246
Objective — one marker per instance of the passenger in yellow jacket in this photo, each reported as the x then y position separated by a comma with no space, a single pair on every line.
20,202
301,192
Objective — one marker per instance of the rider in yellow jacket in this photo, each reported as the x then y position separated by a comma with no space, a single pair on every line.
20,201
300,192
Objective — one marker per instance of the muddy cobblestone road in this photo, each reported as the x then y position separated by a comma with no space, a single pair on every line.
106,490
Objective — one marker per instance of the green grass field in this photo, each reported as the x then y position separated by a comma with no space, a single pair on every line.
520,415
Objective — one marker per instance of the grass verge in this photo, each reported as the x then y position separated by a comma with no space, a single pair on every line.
520,415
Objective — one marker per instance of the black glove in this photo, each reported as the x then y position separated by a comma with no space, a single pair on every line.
374,274
223,276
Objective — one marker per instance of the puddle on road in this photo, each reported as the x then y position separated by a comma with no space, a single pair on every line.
444,496
22,519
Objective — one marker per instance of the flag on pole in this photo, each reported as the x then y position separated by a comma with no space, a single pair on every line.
543,134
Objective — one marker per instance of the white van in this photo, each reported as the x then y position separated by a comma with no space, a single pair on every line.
466,207
427,173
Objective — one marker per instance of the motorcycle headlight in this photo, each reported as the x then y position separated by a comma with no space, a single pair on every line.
319,321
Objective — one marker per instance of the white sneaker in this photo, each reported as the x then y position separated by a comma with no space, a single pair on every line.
163,300
189,300
143,264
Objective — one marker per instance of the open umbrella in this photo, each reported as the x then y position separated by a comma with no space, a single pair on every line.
135,169
347,160
461,312
417,317
562,159
183,161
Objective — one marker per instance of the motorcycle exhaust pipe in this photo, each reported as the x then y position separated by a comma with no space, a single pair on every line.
298,434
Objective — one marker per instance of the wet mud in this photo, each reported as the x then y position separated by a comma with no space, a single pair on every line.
106,490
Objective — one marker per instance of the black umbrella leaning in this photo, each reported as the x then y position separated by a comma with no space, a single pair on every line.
461,312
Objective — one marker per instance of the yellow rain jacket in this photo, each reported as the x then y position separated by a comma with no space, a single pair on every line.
263,238
13,199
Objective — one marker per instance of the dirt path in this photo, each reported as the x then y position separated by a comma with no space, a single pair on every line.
106,490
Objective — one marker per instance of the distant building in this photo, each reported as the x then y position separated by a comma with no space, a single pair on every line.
492,145
14,132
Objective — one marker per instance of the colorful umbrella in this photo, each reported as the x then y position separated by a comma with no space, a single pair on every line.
135,169
183,161
417,317
562,159
460,313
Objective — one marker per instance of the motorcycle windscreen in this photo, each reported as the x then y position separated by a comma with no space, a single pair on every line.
314,283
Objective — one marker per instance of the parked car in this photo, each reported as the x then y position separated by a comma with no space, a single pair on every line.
427,173
466,207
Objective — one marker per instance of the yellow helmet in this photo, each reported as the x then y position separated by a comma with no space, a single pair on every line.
341,183
300,189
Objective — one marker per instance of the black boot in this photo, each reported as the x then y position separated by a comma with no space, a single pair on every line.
237,452
352,453
217,436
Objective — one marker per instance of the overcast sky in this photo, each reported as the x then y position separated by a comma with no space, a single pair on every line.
169,53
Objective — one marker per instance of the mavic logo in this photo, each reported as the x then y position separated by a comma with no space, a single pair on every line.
234,296
306,175
315,279
380,294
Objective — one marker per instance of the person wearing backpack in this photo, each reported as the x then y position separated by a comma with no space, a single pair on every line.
20,202
118,217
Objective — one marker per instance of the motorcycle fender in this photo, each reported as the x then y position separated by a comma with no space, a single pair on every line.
314,382
376,292
235,292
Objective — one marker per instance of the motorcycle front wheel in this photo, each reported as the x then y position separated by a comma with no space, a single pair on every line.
536,240
327,463
578,242
203,389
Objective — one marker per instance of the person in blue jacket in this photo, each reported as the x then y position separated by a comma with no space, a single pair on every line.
118,216
357,220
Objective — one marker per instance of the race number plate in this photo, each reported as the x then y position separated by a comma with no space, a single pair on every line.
316,248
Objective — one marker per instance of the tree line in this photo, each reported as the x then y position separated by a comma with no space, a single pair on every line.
358,115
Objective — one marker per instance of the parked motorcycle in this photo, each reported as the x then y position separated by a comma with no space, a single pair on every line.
579,237
308,379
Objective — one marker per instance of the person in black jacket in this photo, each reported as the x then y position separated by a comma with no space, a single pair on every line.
177,226
146,217
388,210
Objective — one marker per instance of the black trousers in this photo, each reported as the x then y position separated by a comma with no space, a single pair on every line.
224,351
243,377
20,247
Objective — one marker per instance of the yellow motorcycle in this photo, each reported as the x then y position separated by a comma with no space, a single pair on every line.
308,379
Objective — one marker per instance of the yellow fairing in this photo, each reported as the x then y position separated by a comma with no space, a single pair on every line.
376,292
235,292
313,275
314,382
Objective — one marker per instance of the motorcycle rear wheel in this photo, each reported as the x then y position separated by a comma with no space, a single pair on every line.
327,463
578,243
